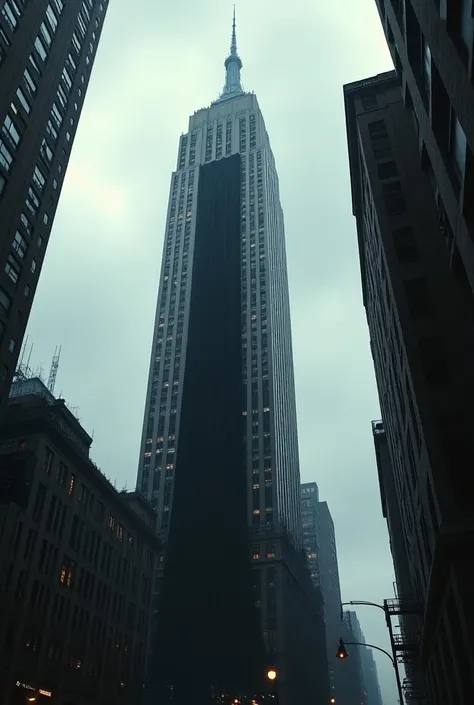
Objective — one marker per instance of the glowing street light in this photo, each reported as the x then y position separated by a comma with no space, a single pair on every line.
272,674
342,651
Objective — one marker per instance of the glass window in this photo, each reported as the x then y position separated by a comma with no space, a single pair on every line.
76,43
67,79
29,82
46,151
22,98
5,300
39,46
10,130
6,158
20,245
51,15
11,345
32,201
9,16
34,65
46,34
458,147
56,115
13,269
39,178
33,266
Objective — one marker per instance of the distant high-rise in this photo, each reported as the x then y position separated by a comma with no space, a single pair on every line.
219,453
422,341
47,50
331,590
311,541
351,688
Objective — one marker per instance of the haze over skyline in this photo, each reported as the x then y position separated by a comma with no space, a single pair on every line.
97,292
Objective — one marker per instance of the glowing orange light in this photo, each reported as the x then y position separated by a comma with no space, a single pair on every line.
271,674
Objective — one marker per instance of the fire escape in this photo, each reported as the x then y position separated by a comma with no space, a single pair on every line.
406,644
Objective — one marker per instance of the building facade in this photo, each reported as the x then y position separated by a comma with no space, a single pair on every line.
311,529
47,49
421,329
331,592
219,451
432,49
76,564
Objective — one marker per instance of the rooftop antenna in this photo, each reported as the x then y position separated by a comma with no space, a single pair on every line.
54,369
20,361
29,357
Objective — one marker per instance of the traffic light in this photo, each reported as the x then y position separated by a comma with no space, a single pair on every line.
342,651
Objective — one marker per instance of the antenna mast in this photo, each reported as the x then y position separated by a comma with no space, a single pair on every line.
54,369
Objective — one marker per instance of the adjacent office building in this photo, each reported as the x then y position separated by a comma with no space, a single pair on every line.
47,49
422,340
76,563
219,451
432,49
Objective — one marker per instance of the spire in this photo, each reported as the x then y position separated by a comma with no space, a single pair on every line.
232,64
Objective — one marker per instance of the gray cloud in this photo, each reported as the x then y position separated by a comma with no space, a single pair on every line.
97,293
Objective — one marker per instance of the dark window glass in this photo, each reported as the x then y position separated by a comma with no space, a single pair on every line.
387,170
418,297
393,197
405,245
434,360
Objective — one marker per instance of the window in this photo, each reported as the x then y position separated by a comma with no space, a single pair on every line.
11,345
387,170
13,269
9,16
33,266
72,483
405,245
10,130
379,138
48,460
20,245
393,197
418,297
369,101
458,146
427,68
46,151
39,178
26,291
433,360
5,300
66,573
6,158
53,21
32,202
39,46
39,502
46,34
22,98
29,82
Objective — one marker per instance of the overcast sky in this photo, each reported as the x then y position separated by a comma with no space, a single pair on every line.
156,65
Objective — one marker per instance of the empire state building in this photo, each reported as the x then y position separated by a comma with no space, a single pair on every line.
219,451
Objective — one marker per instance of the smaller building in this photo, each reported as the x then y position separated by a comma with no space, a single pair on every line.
76,563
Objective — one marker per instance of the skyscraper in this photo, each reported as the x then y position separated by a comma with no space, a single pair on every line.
219,453
47,50
421,329
432,46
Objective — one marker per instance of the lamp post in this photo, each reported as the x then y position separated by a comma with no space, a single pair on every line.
388,621
343,654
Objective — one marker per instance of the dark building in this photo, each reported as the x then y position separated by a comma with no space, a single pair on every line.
219,454
421,330
76,564
331,590
311,542
47,49
373,695
351,688
432,49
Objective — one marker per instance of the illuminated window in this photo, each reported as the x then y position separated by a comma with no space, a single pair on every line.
255,553
72,483
66,573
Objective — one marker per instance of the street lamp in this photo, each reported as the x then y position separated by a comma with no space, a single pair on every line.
342,653
272,674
